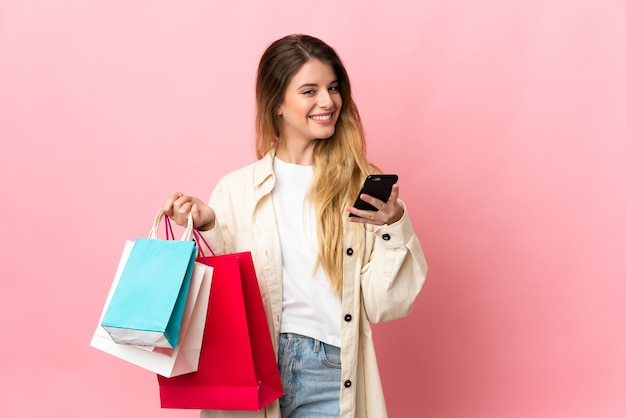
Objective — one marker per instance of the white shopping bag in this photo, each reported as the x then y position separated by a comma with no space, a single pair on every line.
166,362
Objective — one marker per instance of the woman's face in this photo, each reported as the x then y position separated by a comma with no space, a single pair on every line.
311,105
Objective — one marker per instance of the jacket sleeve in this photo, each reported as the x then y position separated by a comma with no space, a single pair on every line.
394,273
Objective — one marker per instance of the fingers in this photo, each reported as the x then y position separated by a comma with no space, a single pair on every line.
379,204
395,192
364,216
168,206
369,217
182,206
177,207
387,213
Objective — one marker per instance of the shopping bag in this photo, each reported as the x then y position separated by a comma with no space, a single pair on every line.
237,369
165,361
148,303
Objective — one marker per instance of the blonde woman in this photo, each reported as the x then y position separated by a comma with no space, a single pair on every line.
324,275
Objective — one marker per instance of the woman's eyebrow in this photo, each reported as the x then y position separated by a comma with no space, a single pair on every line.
316,85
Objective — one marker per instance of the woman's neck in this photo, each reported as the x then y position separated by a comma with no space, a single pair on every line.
301,154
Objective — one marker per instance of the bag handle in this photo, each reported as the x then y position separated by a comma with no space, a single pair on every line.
187,235
169,232
197,233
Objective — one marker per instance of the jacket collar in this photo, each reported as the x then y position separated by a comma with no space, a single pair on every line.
263,174
264,168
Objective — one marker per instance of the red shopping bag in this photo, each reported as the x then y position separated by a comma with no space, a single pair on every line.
237,369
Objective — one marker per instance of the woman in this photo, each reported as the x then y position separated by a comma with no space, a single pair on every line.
323,275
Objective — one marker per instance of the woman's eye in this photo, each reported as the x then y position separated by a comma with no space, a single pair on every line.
334,89
308,92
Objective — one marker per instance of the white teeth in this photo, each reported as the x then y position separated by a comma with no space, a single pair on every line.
326,117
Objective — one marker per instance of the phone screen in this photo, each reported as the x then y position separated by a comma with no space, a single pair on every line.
378,186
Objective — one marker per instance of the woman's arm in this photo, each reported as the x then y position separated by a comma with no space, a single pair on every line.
395,273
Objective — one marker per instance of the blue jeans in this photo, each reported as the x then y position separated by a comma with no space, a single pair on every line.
310,371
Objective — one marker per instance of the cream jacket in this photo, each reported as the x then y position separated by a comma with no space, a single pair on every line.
381,280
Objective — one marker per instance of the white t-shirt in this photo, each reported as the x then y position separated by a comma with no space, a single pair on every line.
310,307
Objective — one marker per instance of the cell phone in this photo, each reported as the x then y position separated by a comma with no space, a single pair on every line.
378,186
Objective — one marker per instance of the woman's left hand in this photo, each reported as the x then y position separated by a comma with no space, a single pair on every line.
387,213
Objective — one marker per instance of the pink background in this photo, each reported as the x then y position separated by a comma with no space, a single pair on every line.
505,121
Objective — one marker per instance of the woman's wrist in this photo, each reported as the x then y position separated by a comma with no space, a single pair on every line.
207,226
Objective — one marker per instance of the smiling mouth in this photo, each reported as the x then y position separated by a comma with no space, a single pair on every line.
321,117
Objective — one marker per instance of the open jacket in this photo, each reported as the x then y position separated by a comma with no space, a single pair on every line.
382,278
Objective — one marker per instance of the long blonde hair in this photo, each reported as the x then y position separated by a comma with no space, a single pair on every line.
339,162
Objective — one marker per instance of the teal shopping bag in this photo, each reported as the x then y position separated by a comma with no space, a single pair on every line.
148,303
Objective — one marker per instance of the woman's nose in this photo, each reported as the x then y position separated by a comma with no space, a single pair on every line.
324,100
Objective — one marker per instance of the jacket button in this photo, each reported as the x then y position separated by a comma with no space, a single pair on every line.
348,317
386,237
349,251
347,384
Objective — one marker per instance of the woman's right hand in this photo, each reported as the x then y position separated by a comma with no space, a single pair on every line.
177,207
